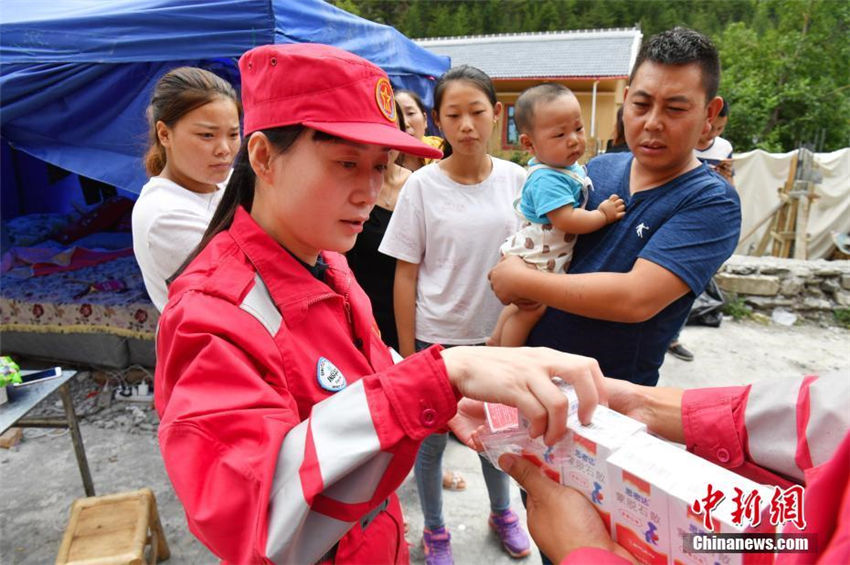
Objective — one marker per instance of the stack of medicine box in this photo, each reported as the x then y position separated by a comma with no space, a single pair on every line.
655,484
643,487
590,447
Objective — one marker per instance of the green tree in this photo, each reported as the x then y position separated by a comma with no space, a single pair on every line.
445,23
786,63
412,22
492,15
349,6
787,77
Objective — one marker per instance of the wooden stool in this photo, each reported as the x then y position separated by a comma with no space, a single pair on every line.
113,530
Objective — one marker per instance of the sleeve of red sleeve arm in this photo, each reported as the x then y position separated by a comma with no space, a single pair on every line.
352,453
713,423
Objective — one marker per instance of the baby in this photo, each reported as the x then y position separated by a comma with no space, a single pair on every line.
548,117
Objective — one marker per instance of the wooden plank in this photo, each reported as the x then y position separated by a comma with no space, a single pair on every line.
11,437
108,529
790,222
784,220
801,238
760,223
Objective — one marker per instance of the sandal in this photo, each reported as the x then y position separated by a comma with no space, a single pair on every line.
452,480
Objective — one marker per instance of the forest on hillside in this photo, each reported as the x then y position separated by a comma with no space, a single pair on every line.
786,63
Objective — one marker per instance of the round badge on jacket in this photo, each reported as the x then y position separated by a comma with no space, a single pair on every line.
330,378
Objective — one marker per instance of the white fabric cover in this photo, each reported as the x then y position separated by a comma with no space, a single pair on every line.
759,174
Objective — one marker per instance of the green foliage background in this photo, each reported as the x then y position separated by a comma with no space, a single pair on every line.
786,63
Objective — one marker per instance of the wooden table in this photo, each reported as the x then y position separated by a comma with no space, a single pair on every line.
24,398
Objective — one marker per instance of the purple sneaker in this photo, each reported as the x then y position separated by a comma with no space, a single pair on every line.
438,546
513,538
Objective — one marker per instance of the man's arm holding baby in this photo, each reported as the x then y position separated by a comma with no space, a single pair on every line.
680,257
630,297
570,219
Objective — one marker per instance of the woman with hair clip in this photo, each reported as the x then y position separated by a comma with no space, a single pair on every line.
194,136
285,427
416,124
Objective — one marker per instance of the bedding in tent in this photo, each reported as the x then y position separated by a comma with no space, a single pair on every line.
75,79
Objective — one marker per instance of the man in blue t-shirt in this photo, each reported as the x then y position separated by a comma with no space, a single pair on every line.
632,283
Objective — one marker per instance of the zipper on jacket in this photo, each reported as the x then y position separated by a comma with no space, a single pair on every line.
349,316
358,343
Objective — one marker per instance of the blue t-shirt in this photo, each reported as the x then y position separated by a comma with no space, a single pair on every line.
547,189
689,226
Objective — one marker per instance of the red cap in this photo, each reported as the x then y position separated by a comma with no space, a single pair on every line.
326,89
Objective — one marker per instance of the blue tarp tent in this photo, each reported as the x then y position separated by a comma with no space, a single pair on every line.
76,75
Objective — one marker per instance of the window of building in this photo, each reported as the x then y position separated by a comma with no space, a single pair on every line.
510,135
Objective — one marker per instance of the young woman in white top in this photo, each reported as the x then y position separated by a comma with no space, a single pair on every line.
194,137
445,234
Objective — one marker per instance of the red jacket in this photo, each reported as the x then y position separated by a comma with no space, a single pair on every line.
284,422
799,428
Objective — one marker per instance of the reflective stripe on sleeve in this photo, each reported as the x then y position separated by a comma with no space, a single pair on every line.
829,415
771,421
315,537
258,302
345,449
345,440
288,510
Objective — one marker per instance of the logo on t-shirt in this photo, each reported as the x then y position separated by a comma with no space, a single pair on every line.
330,378
641,227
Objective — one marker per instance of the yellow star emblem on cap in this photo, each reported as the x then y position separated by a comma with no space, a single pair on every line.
384,98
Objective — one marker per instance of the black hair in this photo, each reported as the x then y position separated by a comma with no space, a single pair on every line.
476,77
177,93
240,187
724,111
416,99
402,126
620,133
682,46
524,105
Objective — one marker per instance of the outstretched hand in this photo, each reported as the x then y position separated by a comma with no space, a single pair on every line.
660,408
522,377
469,422
614,208
625,398
560,519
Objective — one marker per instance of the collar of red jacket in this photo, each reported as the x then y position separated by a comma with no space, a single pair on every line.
287,279
218,270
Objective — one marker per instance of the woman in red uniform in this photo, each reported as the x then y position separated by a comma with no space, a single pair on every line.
285,427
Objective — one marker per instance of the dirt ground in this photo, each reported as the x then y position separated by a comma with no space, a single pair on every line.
745,352
39,478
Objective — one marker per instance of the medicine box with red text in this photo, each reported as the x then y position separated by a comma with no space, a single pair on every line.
589,448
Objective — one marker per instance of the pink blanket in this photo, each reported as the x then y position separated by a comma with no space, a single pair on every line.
41,261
